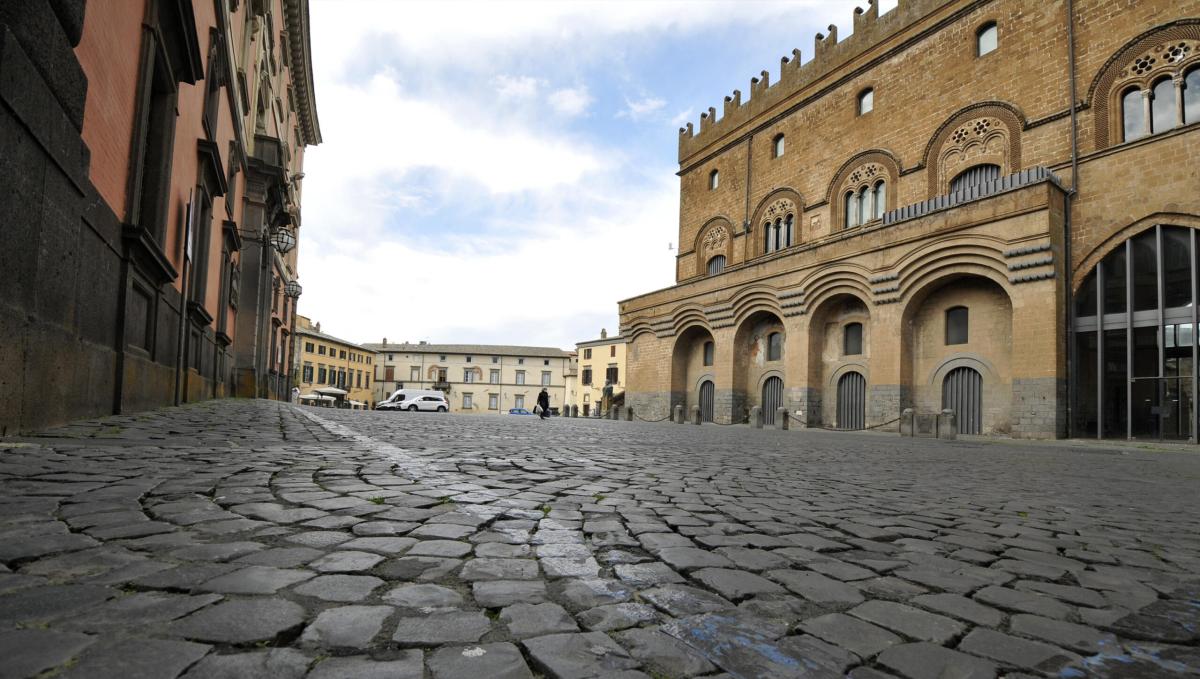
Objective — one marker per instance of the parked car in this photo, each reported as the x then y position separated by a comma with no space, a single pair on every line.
414,400
518,411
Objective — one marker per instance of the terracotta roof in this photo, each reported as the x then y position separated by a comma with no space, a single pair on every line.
470,349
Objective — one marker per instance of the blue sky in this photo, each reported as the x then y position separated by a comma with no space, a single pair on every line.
503,172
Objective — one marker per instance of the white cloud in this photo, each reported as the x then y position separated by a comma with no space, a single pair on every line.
516,87
636,110
570,101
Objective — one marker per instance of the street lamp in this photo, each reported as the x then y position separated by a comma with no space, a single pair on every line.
293,289
284,240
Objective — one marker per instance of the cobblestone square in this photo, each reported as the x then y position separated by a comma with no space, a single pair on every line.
251,538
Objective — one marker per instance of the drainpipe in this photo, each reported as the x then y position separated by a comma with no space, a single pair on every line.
1067,265
181,344
746,220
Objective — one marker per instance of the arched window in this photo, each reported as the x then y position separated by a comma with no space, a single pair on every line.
852,336
1133,115
1162,106
767,239
880,198
987,38
716,265
708,353
787,225
956,325
1191,96
864,205
774,346
714,178
974,176
851,210
866,101
777,146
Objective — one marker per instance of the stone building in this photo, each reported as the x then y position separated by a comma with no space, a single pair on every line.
482,379
601,364
323,360
150,154
988,206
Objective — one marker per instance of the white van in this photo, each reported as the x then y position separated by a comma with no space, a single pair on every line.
414,400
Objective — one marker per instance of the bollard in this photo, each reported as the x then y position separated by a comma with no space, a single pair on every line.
612,412
947,425
629,413
678,414
781,418
574,411
906,422
756,417
695,415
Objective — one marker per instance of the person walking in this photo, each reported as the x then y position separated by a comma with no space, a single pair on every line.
543,402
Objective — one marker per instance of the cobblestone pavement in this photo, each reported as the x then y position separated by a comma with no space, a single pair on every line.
254,539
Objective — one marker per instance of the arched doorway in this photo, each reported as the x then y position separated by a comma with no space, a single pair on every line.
759,352
839,333
962,392
1135,339
852,401
692,367
707,398
772,398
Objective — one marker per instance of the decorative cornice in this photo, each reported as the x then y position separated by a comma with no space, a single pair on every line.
295,14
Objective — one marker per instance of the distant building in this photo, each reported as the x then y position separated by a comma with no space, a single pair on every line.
601,363
323,360
477,378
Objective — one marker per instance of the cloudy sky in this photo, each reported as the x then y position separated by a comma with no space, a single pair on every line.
503,172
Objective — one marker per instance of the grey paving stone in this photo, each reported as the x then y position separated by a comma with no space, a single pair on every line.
348,561
1080,638
1068,593
1024,602
409,665
442,531
756,560
499,550
499,569
755,653
681,600
135,658
930,661
961,608
494,661
345,627
441,628
570,567
30,652
255,580
735,585
320,538
664,655
390,546
451,549
276,663
281,557
425,568
563,551
50,602
220,551
818,588
244,621
578,656
1166,621
499,593
909,621
343,588
691,558
139,609
534,620
183,578
823,654
647,574
861,638
382,528
423,596
1021,653
841,570
617,617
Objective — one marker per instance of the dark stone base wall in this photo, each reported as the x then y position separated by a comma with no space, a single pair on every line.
1039,408
883,405
651,405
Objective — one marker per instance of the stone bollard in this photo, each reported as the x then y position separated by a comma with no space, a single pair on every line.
628,413
781,418
947,425
906,422
612,413
756,418
678,414
695,415
575,411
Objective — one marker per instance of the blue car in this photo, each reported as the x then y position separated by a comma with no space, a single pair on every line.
518,411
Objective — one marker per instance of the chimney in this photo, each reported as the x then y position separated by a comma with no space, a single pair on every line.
603,333
385,341
318,326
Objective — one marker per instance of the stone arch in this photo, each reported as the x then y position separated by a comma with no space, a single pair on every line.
926,358
1131,65
750,360
843,278
714,238
1088,263
861,170
986,132
687,365
688,314
753,299
827,321
970,255
775,205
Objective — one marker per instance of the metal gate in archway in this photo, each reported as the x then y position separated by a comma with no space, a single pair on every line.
707,397
962,392
852,401
772,398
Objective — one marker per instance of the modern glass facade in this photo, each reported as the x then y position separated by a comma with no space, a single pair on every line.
1135,340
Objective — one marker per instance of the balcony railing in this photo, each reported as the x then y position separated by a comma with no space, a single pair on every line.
1012,182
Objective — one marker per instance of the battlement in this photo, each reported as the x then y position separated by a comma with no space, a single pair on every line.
828,54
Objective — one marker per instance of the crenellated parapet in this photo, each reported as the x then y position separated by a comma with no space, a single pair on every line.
828,54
